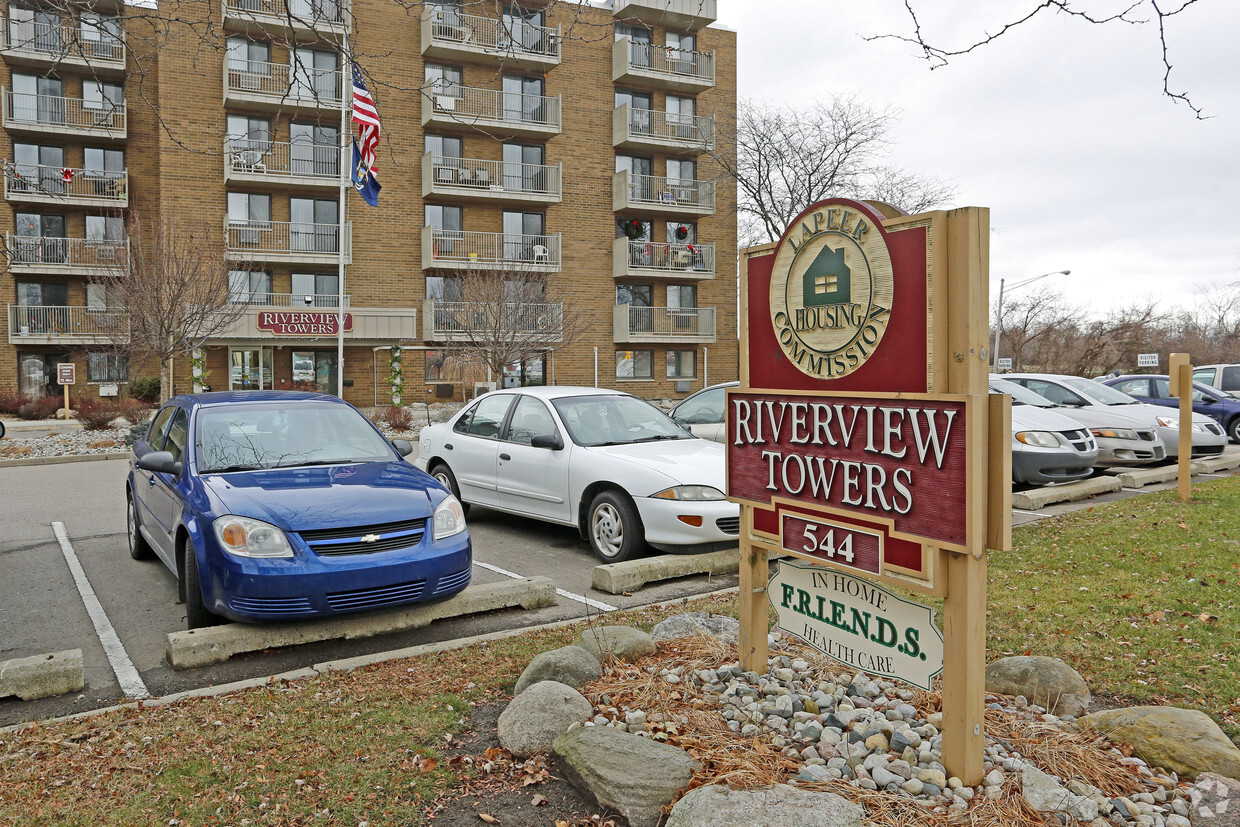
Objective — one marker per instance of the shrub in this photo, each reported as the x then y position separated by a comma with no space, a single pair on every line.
137,431
310,387
399,417
42,407
145,388
11,402
135,410
96,416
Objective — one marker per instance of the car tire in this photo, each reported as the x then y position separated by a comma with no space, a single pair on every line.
614,528
1233,429
197,615
139,548
443,474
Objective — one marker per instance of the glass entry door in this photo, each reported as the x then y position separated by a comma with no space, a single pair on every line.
249,369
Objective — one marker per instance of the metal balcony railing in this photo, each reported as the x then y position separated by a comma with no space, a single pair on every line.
656,190
494,35
662,323
56,111
491,176
698,68
668,257
282,81
66,323
651,125
34,252
285,239
279,159
451,319
461,249
471,104
62,41
38,182
290,300
307,14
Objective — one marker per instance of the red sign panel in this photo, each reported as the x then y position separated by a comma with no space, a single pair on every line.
66,373
294,323
843,545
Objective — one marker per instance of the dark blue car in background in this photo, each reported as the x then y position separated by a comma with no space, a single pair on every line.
1219,405
283,505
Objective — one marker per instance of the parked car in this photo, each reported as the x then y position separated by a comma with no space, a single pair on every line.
1218,405
1046,446
610,464
702,413
1224,377
1078,392
272,505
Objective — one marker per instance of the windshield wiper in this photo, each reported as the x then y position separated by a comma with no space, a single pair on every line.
228,469
317,462
658,437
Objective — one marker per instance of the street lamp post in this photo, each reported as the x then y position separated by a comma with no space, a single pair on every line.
999,309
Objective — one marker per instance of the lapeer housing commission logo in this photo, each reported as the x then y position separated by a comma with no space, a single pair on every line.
831,291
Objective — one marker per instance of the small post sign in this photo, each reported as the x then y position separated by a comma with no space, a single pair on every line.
1147,360
1004,363
1181,370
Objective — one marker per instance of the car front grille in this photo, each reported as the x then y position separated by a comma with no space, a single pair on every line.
452,582
729,525
1148,436
1080,440
337,542
375,597
271,605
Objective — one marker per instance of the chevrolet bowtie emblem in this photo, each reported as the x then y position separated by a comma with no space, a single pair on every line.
370,538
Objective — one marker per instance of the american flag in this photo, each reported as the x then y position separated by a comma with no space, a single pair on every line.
367,119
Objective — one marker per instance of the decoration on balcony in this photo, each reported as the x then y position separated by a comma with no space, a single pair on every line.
682,233
395,379
633,230
66,175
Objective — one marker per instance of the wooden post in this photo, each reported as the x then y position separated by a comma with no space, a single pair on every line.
754,575
1181,375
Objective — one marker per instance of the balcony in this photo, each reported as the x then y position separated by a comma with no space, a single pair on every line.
663,324
462,250
466,108
57,115
275,86
46,46
651,129
308,20
683,15
290,241
377,325
276,163
663,196
65,325
54,256
450,35
673,70
35,184
662,260
467,321
470,178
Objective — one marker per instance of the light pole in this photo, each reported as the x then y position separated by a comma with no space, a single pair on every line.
999,310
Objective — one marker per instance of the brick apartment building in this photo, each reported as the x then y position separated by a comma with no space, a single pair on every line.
526,136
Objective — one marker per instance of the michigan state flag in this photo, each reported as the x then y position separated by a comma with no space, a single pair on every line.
364,178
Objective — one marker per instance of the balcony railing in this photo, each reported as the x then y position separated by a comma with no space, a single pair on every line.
466,321
467,250
281,84
319,16
65,325
468,106
654,193
57,43
65,185
61,115
687,15
517,43
684,70
287,241
292,300
658,324
298,162
663,259
502,180
632,127
65,255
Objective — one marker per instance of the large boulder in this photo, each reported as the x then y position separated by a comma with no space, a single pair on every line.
1047,682
1215,801
635,776
540,714
621,642
1044,794
696,623
569,665
781,804
1184,740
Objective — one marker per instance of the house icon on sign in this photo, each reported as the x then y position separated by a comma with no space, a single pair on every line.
828,279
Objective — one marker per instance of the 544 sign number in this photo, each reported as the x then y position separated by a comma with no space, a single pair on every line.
824,544
845,545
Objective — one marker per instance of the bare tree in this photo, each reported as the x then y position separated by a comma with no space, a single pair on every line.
1033,320
787,158
169,294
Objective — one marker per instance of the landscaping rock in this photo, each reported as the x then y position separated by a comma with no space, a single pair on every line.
569,665
1186,741
623,642
1047,682
1044,794
634,776
781,805
697,623
539,715
1215,801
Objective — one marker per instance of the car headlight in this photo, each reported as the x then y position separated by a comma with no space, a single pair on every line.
1115,433
247,537
449,518
1041,439
690,493
1168,422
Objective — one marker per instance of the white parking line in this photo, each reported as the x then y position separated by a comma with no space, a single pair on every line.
580,598
1034,513
131,682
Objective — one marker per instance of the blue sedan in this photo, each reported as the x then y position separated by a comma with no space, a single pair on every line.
1219,405
281,506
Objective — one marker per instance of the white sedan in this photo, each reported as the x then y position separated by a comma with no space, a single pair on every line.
605,461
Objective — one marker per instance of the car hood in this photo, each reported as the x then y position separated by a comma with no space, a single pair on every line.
680,461
1102,417
334,496
1032,418
1149,412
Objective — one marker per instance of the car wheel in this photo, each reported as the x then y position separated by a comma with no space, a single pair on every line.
196,614
614,529
139,548
444,476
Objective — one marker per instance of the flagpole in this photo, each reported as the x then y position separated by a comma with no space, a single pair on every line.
346,84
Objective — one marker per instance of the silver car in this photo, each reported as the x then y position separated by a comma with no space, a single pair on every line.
1046,445
702,413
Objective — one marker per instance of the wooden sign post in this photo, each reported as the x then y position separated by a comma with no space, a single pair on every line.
1181,376
863,441
66,375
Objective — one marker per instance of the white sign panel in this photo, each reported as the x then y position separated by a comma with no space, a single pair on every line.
1147,360
1004,363
857,622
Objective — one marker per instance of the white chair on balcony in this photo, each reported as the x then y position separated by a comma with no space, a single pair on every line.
541,254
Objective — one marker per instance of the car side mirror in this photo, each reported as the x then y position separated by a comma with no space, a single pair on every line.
551,441
403,447
160,461
1207,400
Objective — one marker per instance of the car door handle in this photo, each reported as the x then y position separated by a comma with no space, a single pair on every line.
505,457
447,446
151,480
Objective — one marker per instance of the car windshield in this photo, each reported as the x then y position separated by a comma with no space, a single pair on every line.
615,420
255,436
1099,392
1020,394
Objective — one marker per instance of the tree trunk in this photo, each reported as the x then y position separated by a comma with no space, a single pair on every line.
165,380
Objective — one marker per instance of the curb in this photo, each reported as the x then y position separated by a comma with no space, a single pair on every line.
1042,497
58,460
631,575
42,676
1141,477
1215,464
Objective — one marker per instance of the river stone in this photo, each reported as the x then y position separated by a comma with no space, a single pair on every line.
1186,741
1047,682
1045,795
696,623
569,665
540,714
623,642
781,805
1215,801
634,776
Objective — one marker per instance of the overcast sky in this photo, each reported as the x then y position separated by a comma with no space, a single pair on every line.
1060,127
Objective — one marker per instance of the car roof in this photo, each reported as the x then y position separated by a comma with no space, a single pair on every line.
244,397
560,391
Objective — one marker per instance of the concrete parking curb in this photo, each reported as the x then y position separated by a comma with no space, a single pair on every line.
1216,464
216,644
42,676
631,575
1141,477
1042,497
57,460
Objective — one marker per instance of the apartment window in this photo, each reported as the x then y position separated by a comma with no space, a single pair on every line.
252,57
634,364
40,238
42,294
682,296
97,298
639,43
636,100
447,224
446,20
523,99
446,157
443,147
532,371
314,149
681,364
309,10
104,229
42,306
641,172
681,171
523,167
644,233
38,99
524,26
677,229
34,29
315,74
322,288
251,208
100,35
524,237
249,287
314,224
107,367
98,161
436,365
443,82
681,122
37,168
635,295
444,288
680,52
249,140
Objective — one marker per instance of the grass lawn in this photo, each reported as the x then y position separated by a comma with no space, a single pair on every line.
1139,596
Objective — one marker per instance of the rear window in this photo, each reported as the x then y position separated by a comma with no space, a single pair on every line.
1231,378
